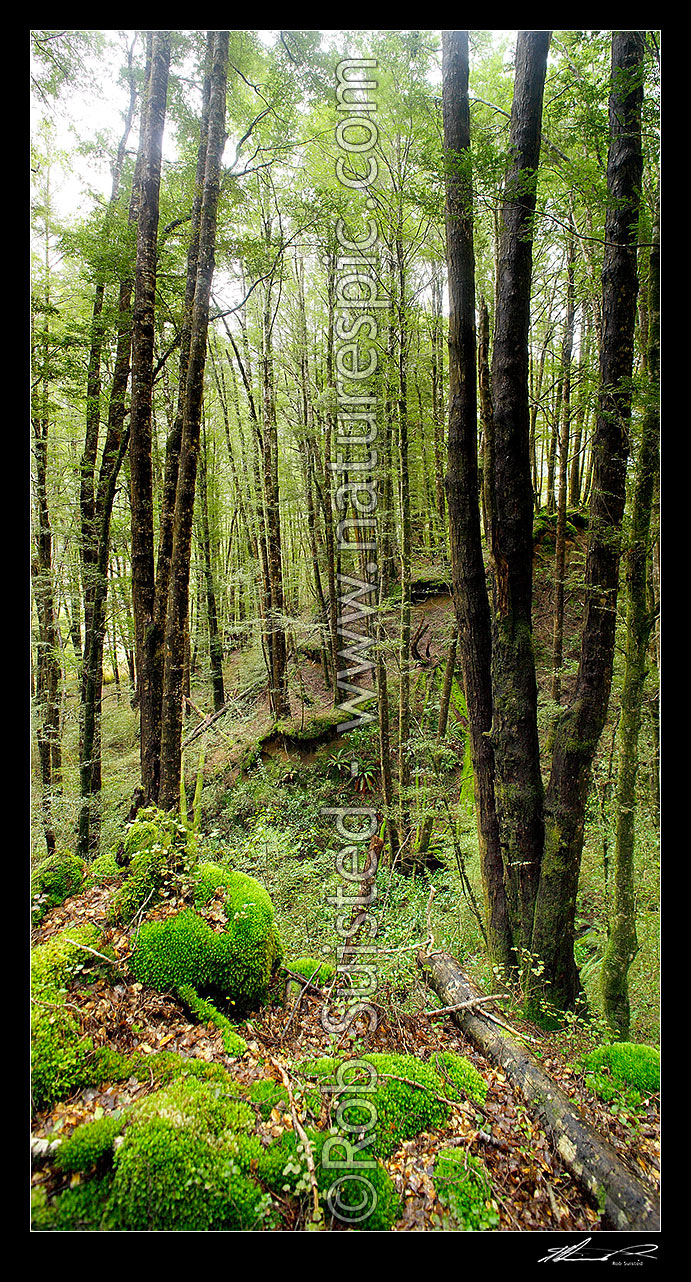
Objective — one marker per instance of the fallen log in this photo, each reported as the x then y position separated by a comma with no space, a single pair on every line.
624,1202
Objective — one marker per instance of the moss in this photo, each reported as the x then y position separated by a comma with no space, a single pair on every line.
53,881
310,968
149,844
235,964
623,1072
464,1187
268,1095
184,1164
461,1078
103,868
79,1209
61,1058
318,729
88,1145
360,1198
206,1013
401,1110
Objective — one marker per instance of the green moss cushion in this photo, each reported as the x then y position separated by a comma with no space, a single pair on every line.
234,963
53,881
623,1071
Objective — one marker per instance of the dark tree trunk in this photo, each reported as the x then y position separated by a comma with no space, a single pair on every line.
178,593
518,780
560,541
622,943
215,640
579,729
468,573
141,483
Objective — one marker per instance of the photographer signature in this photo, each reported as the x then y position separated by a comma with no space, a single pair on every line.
581,1251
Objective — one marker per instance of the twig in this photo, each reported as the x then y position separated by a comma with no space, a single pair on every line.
474,1001
309,1157
94,951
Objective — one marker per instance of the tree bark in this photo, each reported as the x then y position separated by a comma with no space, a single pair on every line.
178,592
471,601
518,779
580,726
141,483
622,943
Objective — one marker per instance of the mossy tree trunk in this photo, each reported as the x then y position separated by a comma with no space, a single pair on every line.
178,591
580,726
622,942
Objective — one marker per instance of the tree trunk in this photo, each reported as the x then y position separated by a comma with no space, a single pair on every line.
141,485
622,943
580,726
625,1202
178,591
560,541
468,573
518,780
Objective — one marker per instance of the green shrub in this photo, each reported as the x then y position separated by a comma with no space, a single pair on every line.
53,881
235,964
623,1072
61,1058
464,1187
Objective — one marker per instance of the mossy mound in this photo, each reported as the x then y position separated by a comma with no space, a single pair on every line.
464,1188
623,1072
52,882
149,846
401,1098
179,1160
359,1195
234,964
103,868
62,1060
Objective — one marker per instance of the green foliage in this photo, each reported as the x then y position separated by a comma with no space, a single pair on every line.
461,1078
362,1197
102,868
184,1162
53,880
61,1058
622,1073
235,964
464,1187
79,1209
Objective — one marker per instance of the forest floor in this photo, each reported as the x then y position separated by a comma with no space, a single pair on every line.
532,1191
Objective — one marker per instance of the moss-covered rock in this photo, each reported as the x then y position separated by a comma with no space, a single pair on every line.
103,868
53,880
362,1197
148,846
234,963
623,1072
88,1145
62,1059
464,1188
